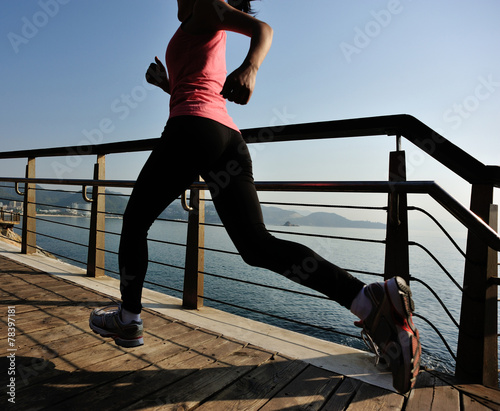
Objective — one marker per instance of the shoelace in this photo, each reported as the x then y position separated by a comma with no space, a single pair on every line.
371,346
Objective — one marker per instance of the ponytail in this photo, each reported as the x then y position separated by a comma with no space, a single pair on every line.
243,5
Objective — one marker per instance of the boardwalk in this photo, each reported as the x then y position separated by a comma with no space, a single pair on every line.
61,365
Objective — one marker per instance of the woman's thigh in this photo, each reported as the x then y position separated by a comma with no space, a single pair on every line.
189,147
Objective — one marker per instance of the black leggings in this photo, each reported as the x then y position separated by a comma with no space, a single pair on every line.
194,146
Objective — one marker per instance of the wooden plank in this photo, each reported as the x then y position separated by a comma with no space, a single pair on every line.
64,346
195,389
42,296
422,395
39,284
64,385
488,396
34,376
31,371
115,393
343,395
255,389
19,308
28,339
81,296
309,390
50,318
371,398
470,404
445,397
193,338
158,329
8,279
61,386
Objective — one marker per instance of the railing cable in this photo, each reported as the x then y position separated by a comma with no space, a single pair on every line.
282,318
272,287
438,299
438,333
445,232
59,239
438,263
61,223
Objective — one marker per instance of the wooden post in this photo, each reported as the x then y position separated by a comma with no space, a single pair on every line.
477,360
397,260
490,360
28,243
96,254
195,256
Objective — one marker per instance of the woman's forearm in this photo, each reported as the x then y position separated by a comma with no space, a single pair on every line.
260,43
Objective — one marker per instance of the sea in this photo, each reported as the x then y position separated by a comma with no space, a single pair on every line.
327,319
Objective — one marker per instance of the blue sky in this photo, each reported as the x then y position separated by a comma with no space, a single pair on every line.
73,71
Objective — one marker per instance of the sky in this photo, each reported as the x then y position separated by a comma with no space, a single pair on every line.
72,72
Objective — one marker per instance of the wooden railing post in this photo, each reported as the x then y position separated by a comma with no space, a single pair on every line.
477,360
28,242
96,254
490,360
195,256
397,260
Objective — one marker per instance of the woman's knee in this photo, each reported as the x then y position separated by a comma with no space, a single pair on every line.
261,252
253,258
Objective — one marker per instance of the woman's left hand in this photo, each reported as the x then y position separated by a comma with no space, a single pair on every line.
240,84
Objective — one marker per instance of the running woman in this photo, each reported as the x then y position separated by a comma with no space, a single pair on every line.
201,139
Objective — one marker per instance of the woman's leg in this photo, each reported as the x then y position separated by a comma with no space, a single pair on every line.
171,168
231,182
189,147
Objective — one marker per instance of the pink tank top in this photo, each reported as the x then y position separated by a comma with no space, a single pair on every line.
197,71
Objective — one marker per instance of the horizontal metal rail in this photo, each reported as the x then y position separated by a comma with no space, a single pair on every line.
455,208
401,125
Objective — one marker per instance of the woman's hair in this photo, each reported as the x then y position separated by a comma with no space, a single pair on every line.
243,5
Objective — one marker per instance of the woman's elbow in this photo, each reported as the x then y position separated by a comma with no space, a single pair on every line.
266,30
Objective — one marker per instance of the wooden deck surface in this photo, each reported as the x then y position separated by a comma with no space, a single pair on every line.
61,365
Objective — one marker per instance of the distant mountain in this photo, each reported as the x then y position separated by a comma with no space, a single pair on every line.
54,199
7,193
116,203
278,216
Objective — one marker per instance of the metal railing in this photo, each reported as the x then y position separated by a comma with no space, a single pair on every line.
476,356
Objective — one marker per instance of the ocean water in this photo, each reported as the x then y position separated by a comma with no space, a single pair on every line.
349,254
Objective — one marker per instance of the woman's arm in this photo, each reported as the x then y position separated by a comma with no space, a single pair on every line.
213,15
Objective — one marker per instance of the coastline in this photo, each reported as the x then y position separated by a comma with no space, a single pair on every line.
74,216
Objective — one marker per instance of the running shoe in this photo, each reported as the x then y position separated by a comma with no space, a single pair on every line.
107,323
389,331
